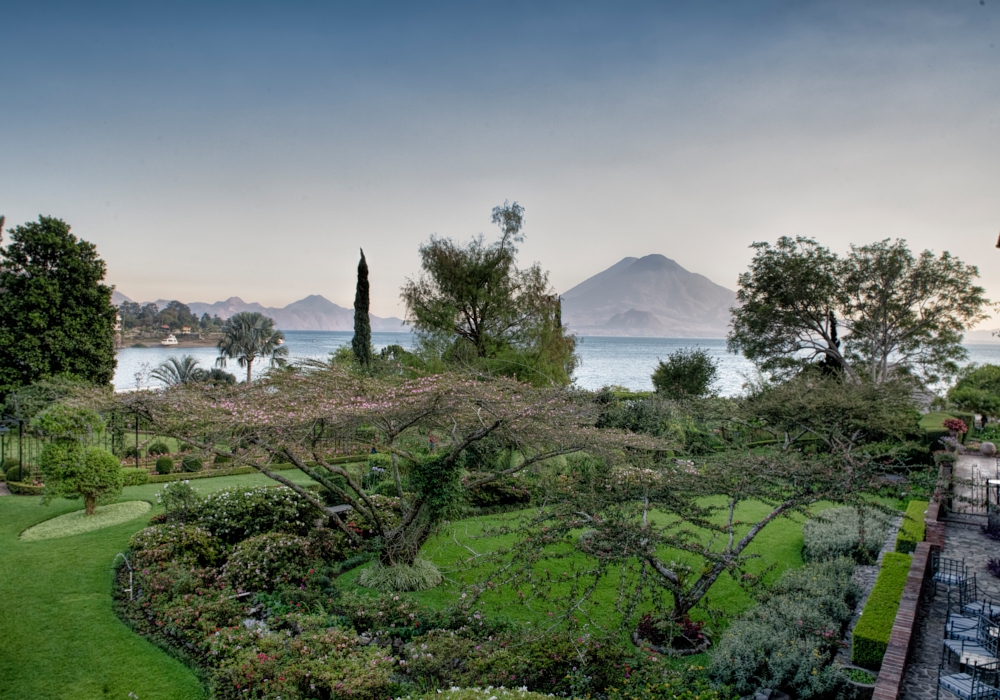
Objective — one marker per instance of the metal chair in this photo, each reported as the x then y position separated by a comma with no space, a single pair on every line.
970,601
960,624
951,572
979,682
978,650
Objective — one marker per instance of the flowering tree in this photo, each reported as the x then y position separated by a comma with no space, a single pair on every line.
310,416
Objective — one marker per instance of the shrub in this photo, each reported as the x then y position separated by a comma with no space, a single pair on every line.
132,452
235,514
8,464
263,562
177,543
164,465
500,492
158,448
389,508
191,464
135,476
222,459
178,499
328,663
789,641
871,634
23,489
913,528
836,533
12,472
944,458
955,424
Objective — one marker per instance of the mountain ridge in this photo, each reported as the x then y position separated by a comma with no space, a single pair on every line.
313,313
649,296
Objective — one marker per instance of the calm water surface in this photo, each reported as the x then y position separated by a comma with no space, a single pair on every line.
628,362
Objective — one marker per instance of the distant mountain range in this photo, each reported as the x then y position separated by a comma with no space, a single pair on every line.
314,313
649,296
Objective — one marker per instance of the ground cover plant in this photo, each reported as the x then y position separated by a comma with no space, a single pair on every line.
789,641
78,522
855,532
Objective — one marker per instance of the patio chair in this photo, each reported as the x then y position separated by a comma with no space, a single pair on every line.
970,601
978,682
980,649
951,572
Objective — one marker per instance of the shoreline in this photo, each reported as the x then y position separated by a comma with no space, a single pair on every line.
155,343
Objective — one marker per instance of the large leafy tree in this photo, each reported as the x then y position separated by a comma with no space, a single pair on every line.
978,390
879,312
477,301
361,343
56,316
249,336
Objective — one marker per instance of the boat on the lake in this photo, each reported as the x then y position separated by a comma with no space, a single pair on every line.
169,340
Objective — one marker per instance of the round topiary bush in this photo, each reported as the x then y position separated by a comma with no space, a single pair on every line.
191,464
263,562
179,543
8,464
222,459
164,465
12,472
132,452
158,448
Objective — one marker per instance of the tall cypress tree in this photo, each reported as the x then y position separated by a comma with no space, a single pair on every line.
362,341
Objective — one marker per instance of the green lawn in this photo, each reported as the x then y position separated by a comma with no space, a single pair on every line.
58,635
60,639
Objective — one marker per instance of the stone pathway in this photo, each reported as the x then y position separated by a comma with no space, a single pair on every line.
962,541
4,491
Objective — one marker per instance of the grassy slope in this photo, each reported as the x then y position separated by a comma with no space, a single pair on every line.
58,635
780,544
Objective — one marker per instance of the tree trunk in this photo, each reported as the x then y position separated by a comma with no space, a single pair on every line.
249,369
89,504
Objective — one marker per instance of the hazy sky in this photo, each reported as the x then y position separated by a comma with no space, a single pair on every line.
250,149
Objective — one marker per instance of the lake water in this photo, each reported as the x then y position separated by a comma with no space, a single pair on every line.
628,362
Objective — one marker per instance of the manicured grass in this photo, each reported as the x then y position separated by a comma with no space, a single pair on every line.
59,637
78,522
780,545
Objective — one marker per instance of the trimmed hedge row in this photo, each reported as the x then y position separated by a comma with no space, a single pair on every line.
913,528
19,488
135,476
871,634
183,476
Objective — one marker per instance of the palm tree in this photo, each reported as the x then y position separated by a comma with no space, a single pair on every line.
249,335
174,371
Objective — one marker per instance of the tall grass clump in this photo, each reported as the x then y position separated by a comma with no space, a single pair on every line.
841,532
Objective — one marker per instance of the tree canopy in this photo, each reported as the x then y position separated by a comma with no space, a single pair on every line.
978,390
249,336
56,316
879,312
686,373
474,300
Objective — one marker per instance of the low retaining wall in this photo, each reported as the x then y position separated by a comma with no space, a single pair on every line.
890,675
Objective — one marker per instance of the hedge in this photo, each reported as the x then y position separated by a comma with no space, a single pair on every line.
871,634
135,476
913,527
184,476
19,488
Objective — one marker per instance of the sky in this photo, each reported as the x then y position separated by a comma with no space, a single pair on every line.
250,149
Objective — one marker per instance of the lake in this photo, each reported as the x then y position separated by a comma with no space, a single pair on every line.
628,362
